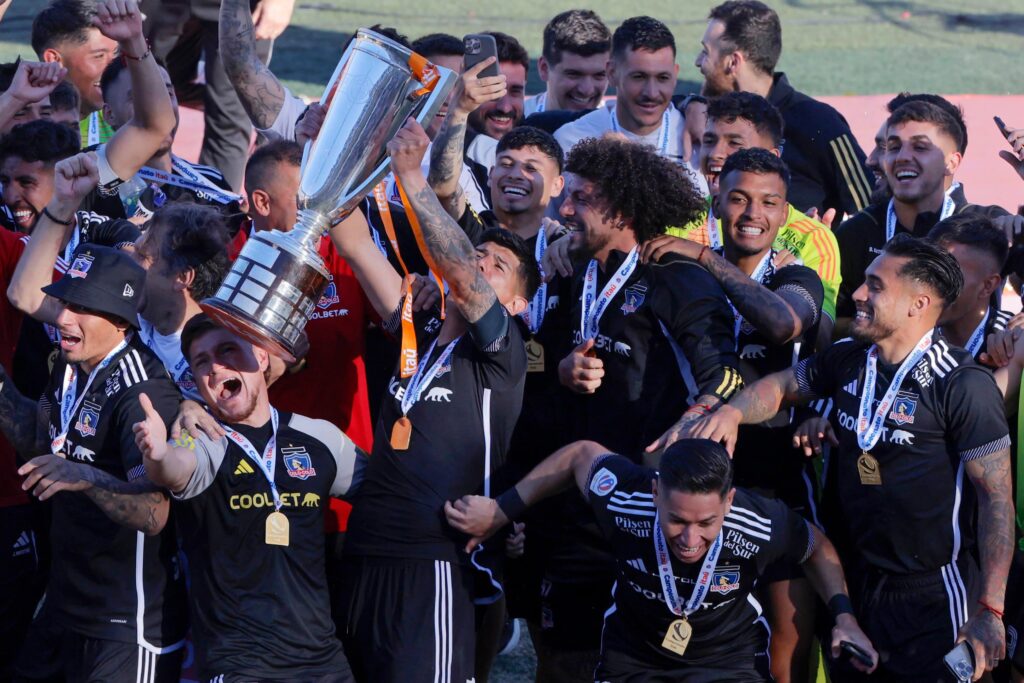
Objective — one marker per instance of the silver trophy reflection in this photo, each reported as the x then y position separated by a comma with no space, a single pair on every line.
273,286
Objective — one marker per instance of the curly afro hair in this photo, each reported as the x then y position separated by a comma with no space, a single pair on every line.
640,186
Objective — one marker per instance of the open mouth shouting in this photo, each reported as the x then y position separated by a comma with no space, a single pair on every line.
227,388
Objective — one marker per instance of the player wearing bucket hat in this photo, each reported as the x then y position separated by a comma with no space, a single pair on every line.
109,536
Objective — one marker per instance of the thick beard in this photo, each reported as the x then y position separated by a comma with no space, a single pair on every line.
872,333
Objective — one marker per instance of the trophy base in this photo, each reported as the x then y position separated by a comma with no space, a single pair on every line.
270,292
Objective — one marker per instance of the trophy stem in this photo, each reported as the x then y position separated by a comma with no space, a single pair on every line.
309,228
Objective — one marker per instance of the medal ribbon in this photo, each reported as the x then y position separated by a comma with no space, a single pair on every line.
421,380
180,366
714,238
268,462
70,402
542,101
869,428
666,121
535,313
417,232
947,210
591,310
93,137
187,178
978,336
668,581
409,356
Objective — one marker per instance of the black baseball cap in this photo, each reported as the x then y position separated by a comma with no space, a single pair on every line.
102,279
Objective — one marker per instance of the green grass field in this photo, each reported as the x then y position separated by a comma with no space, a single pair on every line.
831,47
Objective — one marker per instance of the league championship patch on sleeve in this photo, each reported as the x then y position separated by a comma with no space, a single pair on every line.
603,482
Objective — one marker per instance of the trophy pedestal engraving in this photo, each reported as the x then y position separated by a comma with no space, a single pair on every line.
273,286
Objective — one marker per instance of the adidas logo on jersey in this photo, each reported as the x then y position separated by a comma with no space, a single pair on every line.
851,388
244,468
22,545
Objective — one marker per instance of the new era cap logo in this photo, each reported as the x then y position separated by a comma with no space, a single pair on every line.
128,291
244,468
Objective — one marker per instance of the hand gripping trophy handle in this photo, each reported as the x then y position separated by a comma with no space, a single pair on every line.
278,278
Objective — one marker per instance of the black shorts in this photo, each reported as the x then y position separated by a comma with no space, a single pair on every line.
52,653
619,667
345,677
912,622
408,621
572,614
22,578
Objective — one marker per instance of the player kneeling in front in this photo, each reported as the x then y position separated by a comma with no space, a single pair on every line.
253,534
689,549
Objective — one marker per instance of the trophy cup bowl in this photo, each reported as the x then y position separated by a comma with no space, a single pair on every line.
273,286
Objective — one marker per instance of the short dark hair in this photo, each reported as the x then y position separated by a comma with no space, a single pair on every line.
59,22
642,33
40,140
193,237
510,49
695,466
755,160
197,326
528,136
263,162
928,264
528,271
925,112
939,101
751,107
392,33
438,45
65,97
753,28
637,183
972,229
579,31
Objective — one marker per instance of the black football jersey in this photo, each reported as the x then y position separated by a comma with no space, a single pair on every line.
911,510
729,623
108,581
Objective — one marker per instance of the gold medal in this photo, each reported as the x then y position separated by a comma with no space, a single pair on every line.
534,356
678,636
277,528
401,433
868,469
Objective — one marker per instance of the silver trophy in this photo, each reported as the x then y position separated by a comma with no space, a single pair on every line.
273,286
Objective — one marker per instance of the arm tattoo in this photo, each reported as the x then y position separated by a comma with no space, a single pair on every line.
764,309
766,397
135,504
991,478
19,420
454,255
260,92
446,166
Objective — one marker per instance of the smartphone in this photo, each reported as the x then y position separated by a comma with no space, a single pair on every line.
480,46
1002,126
854,652
960,661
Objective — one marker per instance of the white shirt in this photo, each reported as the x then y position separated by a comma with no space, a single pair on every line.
167,348
598,122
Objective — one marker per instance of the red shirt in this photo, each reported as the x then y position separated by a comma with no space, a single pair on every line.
332,384
12,245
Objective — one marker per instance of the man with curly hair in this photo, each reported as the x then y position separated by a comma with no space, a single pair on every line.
650,339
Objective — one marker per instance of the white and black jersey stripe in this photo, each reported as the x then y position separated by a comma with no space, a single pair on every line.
443,635
632,503
133,370
748,522
940,359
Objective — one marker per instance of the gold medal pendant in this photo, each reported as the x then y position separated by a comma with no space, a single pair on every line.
401,433
277,528
678,636
534,356
868,469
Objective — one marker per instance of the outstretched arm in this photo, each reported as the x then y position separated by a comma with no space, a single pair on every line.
481,517
260,92
447,243
153,118
166,466
447,152
376,275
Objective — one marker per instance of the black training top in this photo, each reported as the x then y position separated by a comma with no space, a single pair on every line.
461,428
826,162
243,590
108,581
913,512
756,532
862,237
